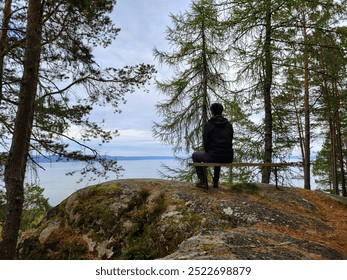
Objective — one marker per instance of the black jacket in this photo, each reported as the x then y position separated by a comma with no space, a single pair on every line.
218,137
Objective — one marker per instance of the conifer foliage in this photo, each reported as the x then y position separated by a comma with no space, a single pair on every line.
50,84
197,40
278,67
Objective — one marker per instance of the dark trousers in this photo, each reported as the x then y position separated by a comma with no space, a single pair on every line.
206,157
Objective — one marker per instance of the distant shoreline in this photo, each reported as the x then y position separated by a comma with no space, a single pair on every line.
52,159
119,158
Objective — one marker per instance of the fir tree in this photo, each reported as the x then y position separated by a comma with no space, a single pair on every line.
197,56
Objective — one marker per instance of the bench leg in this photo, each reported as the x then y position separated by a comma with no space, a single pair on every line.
276,177
230,175
205,177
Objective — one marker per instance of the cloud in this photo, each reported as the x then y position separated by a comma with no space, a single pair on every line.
137,142
143,25
135,135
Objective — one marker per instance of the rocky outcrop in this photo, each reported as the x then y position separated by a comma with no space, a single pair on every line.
159,219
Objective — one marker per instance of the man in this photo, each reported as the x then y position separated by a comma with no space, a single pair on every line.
217,143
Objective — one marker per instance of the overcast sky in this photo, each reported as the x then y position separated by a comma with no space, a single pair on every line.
143,25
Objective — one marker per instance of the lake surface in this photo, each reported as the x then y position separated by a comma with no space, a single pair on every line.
58,186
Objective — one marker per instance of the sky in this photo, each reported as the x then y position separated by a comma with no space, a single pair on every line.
143,25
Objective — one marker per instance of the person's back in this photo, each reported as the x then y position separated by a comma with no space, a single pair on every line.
218,138
217,143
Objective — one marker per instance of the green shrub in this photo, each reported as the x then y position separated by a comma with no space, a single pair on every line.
35,206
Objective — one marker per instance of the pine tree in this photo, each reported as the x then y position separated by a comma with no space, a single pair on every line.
302,83
273,40
50,83
254,46
16,160
330,65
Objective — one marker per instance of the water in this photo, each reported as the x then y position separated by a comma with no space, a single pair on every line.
58,186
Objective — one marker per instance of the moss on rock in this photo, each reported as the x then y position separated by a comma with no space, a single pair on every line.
151,219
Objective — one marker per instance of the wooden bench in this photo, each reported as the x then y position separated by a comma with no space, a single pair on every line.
276,165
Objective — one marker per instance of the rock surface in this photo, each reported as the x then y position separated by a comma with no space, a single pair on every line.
159,219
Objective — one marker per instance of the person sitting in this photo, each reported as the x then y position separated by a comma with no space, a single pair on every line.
217,143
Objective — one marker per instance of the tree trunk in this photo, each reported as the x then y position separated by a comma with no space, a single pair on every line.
340,156
266,172
3,40
307,159
333,157
204,79
339,143
16,161
300,128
